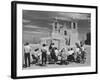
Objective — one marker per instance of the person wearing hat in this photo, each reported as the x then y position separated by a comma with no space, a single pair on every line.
27,50
44,54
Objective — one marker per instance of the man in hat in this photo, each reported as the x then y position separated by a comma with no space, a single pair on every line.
44,54
27,50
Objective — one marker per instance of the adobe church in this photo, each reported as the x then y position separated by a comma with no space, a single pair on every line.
64,34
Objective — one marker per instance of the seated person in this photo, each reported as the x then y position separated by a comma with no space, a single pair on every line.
35,55
63,56
70,54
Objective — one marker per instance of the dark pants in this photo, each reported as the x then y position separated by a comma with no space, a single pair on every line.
53,56
27,57
70,58
44,57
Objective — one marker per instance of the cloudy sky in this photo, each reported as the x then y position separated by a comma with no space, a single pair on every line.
37,24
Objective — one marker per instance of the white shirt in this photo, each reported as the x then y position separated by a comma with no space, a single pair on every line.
77,49
70,52
57,52
36,53
82,48
27,49
45,48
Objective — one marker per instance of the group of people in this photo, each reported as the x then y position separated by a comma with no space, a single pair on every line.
52,55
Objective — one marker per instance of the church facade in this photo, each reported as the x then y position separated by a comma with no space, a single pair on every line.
64,34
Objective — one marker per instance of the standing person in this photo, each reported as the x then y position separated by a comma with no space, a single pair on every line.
52,52
56,52
44,54
27,50
83,54
50,47
48,55
53,55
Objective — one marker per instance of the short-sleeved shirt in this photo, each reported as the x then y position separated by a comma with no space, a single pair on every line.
82,48
44,50
77,50
36,53
56,52
70,52
27,49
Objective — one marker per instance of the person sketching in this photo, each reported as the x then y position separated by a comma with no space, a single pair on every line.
35,55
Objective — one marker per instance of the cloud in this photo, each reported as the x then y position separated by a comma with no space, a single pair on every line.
35,32
26,21
31,26
36,28
79,16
